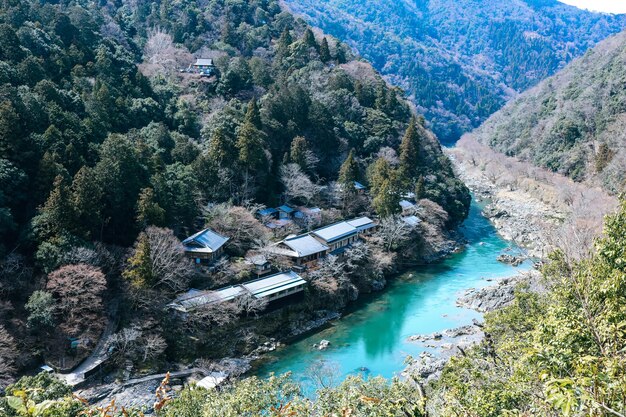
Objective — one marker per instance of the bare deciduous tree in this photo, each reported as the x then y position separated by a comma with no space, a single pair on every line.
249,304
218,314
238,223
8,356
162,55
13,274
297,184
123,343
152,346
78,290
394,231
389,154
323,373
169,265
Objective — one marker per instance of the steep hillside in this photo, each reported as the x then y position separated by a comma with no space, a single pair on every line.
106,130
461,60
572,123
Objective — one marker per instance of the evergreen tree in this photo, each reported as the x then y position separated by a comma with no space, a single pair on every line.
121,176
86,198
340,54
381,97
221,150
409,153
139,271
251,149
149,213
386,201
309,39
384,188
41,307
420,188
55,217
253,115
284,42
298,152
349,172
325,51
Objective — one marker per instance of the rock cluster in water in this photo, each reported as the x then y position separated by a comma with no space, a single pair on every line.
442,346
499,295
511,259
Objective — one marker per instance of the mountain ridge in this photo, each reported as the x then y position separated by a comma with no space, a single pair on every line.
459,74
571,123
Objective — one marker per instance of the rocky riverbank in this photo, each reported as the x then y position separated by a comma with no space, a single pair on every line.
441,346
501,294
519,216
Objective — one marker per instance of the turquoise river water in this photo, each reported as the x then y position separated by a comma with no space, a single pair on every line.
372,335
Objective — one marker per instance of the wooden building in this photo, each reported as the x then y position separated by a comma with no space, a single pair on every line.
205,246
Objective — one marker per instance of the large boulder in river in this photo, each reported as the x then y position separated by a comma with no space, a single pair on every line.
510,259
323,345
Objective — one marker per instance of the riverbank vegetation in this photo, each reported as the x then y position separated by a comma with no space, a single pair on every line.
560,353
571,214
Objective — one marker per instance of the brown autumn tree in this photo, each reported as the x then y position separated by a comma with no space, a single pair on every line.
79,290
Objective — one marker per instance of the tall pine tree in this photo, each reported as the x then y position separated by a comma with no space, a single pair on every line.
409,153
349,173
139,271
384,187
309,39
298,152
87,203
325,51
253,115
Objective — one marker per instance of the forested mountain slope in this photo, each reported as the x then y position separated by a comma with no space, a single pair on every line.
573,123
102,136
460,60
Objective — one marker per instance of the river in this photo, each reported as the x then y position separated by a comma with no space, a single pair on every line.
372,334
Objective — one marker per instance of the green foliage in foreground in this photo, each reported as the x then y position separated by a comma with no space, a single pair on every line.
559,354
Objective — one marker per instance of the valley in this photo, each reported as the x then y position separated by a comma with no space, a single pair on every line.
268,208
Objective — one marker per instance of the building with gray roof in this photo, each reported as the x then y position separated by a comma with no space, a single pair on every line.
363,225
336,235
270,288
205,246
275,286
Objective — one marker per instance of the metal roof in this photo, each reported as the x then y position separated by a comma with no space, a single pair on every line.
286,209
213,380
335,231
412,220
204,61
196,298
406,204
264,287
267,211
205,241
360,221
359,186
305,245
